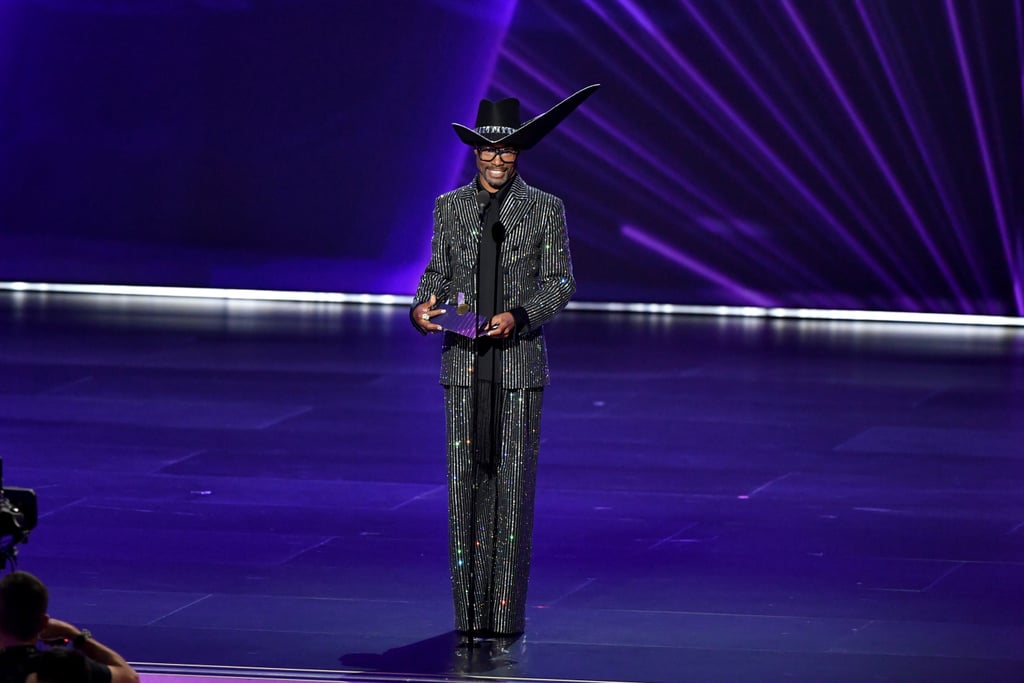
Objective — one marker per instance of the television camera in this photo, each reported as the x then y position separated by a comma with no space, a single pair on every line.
19,514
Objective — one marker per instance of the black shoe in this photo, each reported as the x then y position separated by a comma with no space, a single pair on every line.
468,639
505,641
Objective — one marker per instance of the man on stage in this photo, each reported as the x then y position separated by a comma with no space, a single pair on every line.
499,250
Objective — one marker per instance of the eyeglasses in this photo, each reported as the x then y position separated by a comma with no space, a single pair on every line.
507,154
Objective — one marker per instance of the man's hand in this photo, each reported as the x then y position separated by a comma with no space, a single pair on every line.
422,315
58,631
120,670
501,326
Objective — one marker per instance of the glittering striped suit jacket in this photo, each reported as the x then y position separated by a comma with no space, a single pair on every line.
536,275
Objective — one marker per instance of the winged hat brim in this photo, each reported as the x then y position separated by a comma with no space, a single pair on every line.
531,132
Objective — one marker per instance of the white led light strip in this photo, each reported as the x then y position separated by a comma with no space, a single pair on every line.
608,307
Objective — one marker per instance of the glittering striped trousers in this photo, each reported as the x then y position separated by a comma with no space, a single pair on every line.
490,524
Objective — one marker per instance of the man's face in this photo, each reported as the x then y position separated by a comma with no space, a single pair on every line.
496,164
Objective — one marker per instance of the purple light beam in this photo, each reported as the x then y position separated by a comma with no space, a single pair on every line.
760,145
782,120
979,131
672,254
876,153
792,266
760,254
954,215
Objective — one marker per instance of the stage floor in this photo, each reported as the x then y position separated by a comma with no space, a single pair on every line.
257,490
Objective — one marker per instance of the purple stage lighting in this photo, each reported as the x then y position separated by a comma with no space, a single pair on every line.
799,153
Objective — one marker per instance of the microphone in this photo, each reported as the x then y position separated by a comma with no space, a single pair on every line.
483,200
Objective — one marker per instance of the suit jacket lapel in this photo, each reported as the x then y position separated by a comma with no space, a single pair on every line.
467,213
517,205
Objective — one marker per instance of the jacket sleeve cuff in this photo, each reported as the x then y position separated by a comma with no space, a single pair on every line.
522,318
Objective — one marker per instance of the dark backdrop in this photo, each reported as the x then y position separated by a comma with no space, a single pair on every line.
824,153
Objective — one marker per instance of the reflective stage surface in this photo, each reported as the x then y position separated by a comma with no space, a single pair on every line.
257,490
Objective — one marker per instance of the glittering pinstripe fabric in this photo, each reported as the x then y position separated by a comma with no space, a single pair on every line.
536,274
498,544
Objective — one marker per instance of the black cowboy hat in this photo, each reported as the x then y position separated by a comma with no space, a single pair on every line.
497,123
